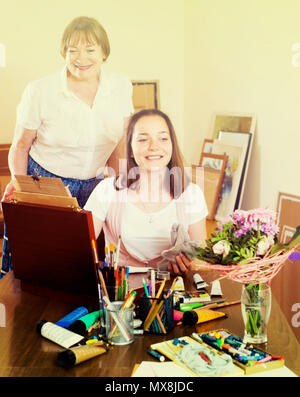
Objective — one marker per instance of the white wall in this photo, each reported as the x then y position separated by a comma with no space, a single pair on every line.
208,55
147,42
238,58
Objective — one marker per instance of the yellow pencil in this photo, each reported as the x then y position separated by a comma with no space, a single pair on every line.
153,306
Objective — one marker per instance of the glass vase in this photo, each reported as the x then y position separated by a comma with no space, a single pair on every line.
256,308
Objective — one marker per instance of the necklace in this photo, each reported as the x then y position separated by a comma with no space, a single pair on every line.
150,215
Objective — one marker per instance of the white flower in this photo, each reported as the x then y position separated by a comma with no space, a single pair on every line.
262,245
222,247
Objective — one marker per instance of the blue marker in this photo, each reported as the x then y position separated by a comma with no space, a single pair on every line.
155,354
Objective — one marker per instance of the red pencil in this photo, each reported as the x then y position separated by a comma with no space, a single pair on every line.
205,358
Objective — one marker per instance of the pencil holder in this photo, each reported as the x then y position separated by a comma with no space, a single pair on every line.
157,314
119,324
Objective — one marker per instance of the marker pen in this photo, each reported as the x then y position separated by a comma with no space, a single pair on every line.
155,354
184,307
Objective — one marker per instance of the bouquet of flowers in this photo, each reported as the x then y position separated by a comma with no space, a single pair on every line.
245,249
247,238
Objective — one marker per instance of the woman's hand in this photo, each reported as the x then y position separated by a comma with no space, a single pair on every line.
9,192
181,266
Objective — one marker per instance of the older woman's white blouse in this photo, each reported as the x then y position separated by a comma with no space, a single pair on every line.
75,140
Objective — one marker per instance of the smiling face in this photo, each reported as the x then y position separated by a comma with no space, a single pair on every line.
151,143
84,60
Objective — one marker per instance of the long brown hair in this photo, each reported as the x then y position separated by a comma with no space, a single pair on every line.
176,179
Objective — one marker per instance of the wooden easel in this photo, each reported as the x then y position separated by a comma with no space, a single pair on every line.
43,190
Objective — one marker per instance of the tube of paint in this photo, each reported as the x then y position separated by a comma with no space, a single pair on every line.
200,315
72,317
62,336
70,357
81,325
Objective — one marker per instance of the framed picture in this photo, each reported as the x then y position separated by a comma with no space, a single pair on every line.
145,95
241,123
288,215
232,177
213,160
207,145
239,138
210,180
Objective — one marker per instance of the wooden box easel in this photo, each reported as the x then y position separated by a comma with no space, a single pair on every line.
50,244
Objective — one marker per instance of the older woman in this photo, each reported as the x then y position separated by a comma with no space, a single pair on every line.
69,124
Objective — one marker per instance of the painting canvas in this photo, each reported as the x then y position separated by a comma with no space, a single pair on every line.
212,160
240,138
210,181
207,145
288,215
242,123
233,172
145,95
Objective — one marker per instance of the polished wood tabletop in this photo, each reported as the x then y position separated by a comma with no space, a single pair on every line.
24,353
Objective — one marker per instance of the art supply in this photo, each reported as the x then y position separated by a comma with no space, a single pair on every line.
250,358
177,315
81,325
154,307
76,355
219,304
200,283
70,318
125,306
62,336
178,284
216,289
191,297
116,259
123,319
163,310
111,255
138,332
184,307
155,354
152,283
200,315
100,281
184,351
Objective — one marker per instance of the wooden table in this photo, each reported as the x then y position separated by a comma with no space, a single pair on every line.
24,353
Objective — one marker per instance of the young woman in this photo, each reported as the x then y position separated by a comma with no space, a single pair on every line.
154,193
69,123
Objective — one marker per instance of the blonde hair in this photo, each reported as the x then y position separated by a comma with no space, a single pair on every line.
86,27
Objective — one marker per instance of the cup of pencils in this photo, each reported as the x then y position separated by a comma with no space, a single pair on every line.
156,310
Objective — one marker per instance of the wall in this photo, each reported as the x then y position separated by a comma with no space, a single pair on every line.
146,43
208,55
238,58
